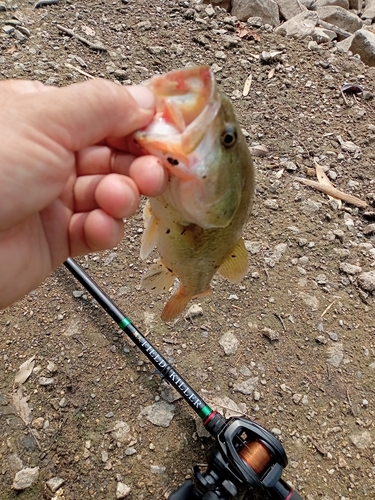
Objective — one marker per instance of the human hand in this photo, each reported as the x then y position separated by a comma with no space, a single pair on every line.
69,173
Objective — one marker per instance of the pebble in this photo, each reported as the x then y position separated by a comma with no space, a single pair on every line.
272,204
276,432
219,54
367,281
130,451
194,311
156,469
25,478
272,335
38,423
45,381
361,440
159,414
247,387
51,367
253,247
350,268
122,490
335,355
229,343
310,207
121,431
55,483
333,336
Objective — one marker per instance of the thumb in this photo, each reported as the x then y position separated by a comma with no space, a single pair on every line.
85,113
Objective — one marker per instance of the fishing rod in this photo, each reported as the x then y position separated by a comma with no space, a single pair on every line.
245,457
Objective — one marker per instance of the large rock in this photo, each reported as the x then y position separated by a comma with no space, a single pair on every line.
340,17
355,4
363,44
299,26
329,3
268,10
290,8
369,12
224,4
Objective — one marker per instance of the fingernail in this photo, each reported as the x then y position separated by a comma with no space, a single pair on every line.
143,96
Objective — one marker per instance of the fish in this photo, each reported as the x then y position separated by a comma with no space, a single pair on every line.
196,225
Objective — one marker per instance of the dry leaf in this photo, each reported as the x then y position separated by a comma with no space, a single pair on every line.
247,34
247,85
271,73
324,181
332,191
21,406
24,371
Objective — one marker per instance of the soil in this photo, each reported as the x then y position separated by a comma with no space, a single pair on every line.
314,382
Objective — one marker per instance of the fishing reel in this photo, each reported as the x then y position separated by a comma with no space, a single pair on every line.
246,457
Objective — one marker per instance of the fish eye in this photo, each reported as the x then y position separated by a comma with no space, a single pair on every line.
229,136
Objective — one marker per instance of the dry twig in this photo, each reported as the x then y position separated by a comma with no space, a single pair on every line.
91,45
79,70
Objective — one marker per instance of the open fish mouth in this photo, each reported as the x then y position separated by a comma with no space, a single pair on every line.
187,103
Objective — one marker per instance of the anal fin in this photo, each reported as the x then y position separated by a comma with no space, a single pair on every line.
236,263
158,279
177,303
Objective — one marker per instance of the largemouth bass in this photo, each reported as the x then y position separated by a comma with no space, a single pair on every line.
196,225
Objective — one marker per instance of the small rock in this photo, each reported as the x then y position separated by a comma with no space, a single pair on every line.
38,423
121,432
122,490
270,334
296,398
335,355
333,336
254,22
229,343
350,268
45,381
159,414
369,229
156,469
276,432
361,440
310,207
367,281
272,204
247,387
253,247
130,451
220,55
194,311
321,339
25,478
51,367
55,483
78,293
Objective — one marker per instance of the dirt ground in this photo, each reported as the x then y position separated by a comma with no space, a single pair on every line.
314,385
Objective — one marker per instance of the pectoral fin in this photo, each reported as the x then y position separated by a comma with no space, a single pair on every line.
150,235
236,263
158,279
